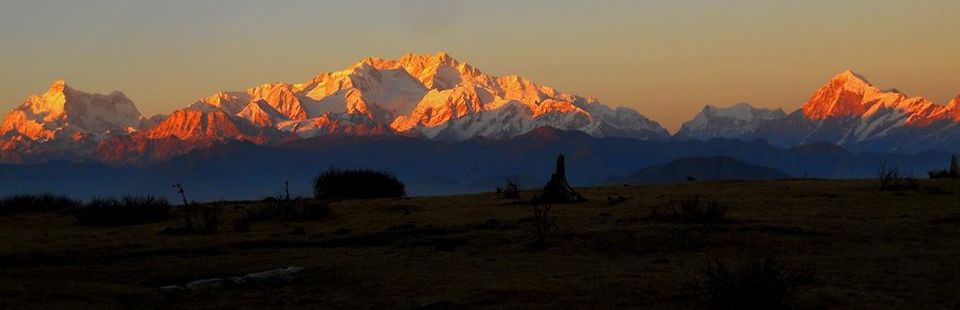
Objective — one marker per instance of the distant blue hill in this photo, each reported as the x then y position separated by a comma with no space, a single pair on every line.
700,169
239,170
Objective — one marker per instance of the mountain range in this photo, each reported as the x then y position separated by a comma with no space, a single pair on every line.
437,97
847,111
445,127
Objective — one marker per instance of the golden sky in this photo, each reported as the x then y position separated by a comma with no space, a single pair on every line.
667,59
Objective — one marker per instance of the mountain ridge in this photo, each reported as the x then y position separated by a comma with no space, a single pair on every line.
848,110
438,97
717,168
433,96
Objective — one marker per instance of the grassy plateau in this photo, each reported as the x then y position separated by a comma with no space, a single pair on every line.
835,244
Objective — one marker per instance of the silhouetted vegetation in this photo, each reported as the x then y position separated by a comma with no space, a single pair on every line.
200,219
183,194
763,283
296,210
893,179
18,204
691,209
511,191
357,184
952,173
130,210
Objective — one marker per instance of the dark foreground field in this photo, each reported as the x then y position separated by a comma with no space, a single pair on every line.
860,248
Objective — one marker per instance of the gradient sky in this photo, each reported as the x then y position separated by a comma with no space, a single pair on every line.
667,59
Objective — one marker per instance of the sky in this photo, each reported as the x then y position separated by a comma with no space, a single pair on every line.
667,59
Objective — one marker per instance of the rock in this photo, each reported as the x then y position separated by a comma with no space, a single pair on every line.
275,276
205,284
172,288
558,190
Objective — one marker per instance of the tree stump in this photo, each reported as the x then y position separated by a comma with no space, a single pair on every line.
558,190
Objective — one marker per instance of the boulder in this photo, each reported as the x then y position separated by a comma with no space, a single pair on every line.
172,288
205,284
269,277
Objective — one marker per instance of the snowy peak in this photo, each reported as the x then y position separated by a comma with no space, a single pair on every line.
282,97
848,111
847,94
438,71
261,114
58,86
742,111
853,77
728,122
231,102
65,112
955,103
434,96
196,125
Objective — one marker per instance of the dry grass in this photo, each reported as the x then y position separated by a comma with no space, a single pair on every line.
868,249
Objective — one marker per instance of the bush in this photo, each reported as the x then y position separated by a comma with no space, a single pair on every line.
892,179
951,173
763,283
692,209
939,174
18,204
511,191
128,210
357,184
200,219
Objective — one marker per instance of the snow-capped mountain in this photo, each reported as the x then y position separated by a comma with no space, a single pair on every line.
727,122
64,121
63,112
848,111
433,96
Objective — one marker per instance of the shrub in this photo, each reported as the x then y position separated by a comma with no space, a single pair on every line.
939,174
511,191
357,184
692,209
18,204
952,173
763,283
200,219
892,179
128,210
